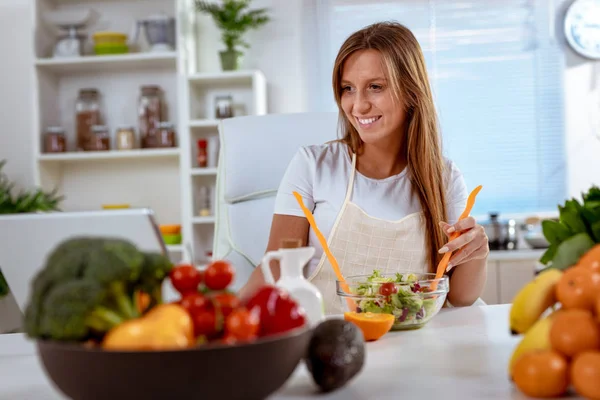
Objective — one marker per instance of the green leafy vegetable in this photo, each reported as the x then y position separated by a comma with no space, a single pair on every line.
576,231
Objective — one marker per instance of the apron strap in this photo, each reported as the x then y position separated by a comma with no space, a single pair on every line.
351,181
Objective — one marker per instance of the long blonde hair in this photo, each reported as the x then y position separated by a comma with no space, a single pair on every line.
406,71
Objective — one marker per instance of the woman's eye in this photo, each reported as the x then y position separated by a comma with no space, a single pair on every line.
346,88
376,87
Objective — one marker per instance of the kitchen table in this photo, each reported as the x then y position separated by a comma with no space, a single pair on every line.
462,353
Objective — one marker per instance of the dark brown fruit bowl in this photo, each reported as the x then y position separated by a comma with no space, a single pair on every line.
247,371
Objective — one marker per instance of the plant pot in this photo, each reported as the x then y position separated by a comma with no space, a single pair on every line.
230,59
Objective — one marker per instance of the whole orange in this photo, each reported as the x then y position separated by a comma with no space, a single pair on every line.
541,373
574,331
585,374
591,259
577,288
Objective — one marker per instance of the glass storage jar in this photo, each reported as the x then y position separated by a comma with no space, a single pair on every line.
100,139
165,136
150,107
125,138
55,140
223,107
87,114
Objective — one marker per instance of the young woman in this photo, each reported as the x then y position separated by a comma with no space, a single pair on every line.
383,195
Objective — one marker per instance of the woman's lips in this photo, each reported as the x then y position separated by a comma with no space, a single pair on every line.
367,122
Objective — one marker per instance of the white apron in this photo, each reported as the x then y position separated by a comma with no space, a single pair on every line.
361,243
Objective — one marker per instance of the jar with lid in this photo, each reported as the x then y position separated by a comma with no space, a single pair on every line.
223,107
54,140
150,106
100,139
125,138
204,201
87,114
165,136
202,157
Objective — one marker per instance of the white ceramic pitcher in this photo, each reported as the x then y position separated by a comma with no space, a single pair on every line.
291,265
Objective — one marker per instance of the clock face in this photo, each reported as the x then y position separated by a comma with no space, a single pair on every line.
582,27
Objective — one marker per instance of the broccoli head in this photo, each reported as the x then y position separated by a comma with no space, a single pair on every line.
88,285
155,269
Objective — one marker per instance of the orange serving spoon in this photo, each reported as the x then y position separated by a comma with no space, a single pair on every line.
330,257
444,261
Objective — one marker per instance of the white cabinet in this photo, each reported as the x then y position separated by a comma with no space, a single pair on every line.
508,272
512,276
491,292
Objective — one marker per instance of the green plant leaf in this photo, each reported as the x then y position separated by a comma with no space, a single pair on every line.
4,289
555,232
571,218
570,251
549,254
234,20
596,231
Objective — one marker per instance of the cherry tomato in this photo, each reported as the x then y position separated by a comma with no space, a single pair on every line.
194,303
242,324
185,278
289,315
206,323
227,302
388,288
219,275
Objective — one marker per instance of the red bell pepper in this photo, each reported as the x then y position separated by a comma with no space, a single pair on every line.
277,312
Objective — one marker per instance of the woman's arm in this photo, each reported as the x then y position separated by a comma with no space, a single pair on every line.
468,265
282,227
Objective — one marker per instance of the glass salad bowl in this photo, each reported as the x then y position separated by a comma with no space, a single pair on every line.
408,296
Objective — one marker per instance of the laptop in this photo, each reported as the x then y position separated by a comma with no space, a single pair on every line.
27,239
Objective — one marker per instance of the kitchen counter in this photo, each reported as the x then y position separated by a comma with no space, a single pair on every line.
519,254
462,353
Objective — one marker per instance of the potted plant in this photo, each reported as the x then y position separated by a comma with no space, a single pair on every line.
24,202
234,19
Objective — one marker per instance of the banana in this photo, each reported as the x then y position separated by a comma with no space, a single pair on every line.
532,300
536,338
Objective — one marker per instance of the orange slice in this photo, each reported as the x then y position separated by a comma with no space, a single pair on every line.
372,325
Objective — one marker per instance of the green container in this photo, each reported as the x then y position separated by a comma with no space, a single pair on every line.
111,48
172,239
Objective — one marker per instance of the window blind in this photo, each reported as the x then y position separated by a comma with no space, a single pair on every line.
496,72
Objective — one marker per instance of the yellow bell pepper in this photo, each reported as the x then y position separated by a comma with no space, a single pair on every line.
164,327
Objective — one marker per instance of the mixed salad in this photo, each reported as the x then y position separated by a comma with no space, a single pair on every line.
400,295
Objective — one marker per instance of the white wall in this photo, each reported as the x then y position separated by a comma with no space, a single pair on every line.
16,89
278,50
582,115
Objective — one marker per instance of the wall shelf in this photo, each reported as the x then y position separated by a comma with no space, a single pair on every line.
203,220
175,248
112,63
225,77
204,171
204,123
108,155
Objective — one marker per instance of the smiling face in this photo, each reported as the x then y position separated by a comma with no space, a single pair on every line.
368,100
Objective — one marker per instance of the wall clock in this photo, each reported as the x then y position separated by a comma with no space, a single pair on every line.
582,27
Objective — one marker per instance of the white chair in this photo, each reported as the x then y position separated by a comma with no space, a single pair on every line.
255,152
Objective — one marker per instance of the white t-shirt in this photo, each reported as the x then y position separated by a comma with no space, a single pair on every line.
320,174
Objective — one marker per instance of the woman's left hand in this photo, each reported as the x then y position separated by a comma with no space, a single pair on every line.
472,244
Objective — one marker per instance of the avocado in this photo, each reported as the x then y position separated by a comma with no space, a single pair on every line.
336,353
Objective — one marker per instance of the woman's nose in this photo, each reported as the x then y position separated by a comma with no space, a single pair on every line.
361,104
